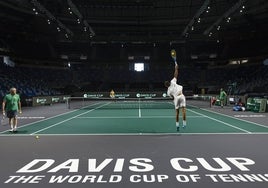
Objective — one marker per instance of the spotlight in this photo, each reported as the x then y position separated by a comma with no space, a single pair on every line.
48,22
71,12
36,13
219,27
199,20
192,28
34,9
207,11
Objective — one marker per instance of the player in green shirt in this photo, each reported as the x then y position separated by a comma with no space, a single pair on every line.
12,105
222,96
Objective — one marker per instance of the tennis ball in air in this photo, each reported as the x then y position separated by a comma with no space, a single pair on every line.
37,137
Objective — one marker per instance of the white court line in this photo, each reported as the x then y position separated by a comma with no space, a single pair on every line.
139,113
135,134
237,118
69,119
31,117
48,118
221,122
133,117
139,109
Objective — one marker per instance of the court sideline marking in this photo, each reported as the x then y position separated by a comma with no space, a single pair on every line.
221,121
133,134
69,119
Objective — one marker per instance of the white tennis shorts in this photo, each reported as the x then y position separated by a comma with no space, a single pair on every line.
179,101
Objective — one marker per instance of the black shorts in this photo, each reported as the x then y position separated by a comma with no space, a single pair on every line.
12,114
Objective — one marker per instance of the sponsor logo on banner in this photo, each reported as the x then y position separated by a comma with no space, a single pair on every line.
145,95
41,100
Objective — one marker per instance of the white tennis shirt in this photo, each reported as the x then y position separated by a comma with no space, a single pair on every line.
174,89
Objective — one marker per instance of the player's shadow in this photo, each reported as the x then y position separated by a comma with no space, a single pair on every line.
19,132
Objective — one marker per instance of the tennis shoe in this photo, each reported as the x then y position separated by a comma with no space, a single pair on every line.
184,126
178,129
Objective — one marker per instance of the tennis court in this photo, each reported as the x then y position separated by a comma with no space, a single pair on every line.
138,117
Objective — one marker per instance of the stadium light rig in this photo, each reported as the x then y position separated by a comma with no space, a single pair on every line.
208,8
35,11
225,16
51,17
72,8
242,9
202,9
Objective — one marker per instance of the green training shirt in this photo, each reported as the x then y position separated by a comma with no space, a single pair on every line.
12,102
222,94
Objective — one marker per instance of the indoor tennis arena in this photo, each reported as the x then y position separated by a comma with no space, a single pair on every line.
134,93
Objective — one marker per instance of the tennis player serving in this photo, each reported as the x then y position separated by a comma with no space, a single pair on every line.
175,92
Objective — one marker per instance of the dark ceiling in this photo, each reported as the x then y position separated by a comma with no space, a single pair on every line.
136,22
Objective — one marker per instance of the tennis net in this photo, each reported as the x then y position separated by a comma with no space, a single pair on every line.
135,103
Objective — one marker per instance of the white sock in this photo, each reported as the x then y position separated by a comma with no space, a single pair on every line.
177,124
184,123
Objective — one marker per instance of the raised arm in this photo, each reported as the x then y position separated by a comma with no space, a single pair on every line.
176,72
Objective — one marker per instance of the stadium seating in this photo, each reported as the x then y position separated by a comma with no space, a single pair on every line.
35,81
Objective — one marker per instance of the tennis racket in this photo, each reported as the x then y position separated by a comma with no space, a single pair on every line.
174,56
